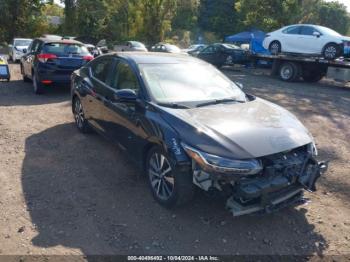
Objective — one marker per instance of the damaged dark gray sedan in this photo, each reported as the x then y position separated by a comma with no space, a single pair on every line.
188,126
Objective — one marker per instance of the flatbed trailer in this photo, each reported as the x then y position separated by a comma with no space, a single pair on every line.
292,67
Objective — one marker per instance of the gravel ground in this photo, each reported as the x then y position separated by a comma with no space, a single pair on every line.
67,193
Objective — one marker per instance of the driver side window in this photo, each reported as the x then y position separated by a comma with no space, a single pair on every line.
125,78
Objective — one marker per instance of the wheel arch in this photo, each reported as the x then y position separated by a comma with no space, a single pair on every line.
330,43
275,40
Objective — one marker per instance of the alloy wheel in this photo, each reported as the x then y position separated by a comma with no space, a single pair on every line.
78,114
275,48
286,72
161,176
330,52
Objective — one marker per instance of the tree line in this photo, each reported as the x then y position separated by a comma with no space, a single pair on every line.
151,21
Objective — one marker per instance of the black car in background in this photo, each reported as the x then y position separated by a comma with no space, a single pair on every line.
194,50
187,125
224,54
52,61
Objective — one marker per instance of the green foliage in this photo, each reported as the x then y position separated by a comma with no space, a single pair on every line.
16,15
151,21
218,16
268,15
330,14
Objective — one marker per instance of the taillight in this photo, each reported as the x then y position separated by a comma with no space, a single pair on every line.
88,57
45,57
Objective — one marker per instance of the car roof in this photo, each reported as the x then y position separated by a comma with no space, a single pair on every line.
56,40
22,38
156,57
302,25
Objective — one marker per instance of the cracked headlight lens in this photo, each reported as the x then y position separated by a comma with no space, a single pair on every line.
219,164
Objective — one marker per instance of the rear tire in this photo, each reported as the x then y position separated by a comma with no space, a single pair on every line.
312,76
79,116
25,78
170,187
289,71
275,47
37,86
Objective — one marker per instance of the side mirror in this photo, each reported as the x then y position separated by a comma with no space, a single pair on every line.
125,95
317,34
240,85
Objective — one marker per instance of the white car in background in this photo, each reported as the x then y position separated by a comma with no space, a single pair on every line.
18,46
307,39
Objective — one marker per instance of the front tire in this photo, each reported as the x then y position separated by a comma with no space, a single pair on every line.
170,187
331,51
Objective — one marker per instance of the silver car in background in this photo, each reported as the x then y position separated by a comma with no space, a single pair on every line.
18,48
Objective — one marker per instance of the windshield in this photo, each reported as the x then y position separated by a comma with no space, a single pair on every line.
328,31
62,49
188,82
22,42
137,44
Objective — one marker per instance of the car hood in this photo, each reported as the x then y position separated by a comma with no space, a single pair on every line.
240,130
346,38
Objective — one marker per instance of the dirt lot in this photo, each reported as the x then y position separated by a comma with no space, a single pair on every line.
67,193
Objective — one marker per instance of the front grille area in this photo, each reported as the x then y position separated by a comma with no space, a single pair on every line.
289,164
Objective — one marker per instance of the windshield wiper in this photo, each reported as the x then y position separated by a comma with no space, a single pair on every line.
174,105
219,101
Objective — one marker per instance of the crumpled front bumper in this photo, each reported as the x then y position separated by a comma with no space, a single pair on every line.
271,194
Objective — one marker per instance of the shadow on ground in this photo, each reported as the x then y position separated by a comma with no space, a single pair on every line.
17,92
83,193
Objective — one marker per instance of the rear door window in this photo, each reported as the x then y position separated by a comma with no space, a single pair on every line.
65,49
307,30
100,69
293,30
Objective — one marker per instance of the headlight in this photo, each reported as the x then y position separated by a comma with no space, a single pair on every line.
223,165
